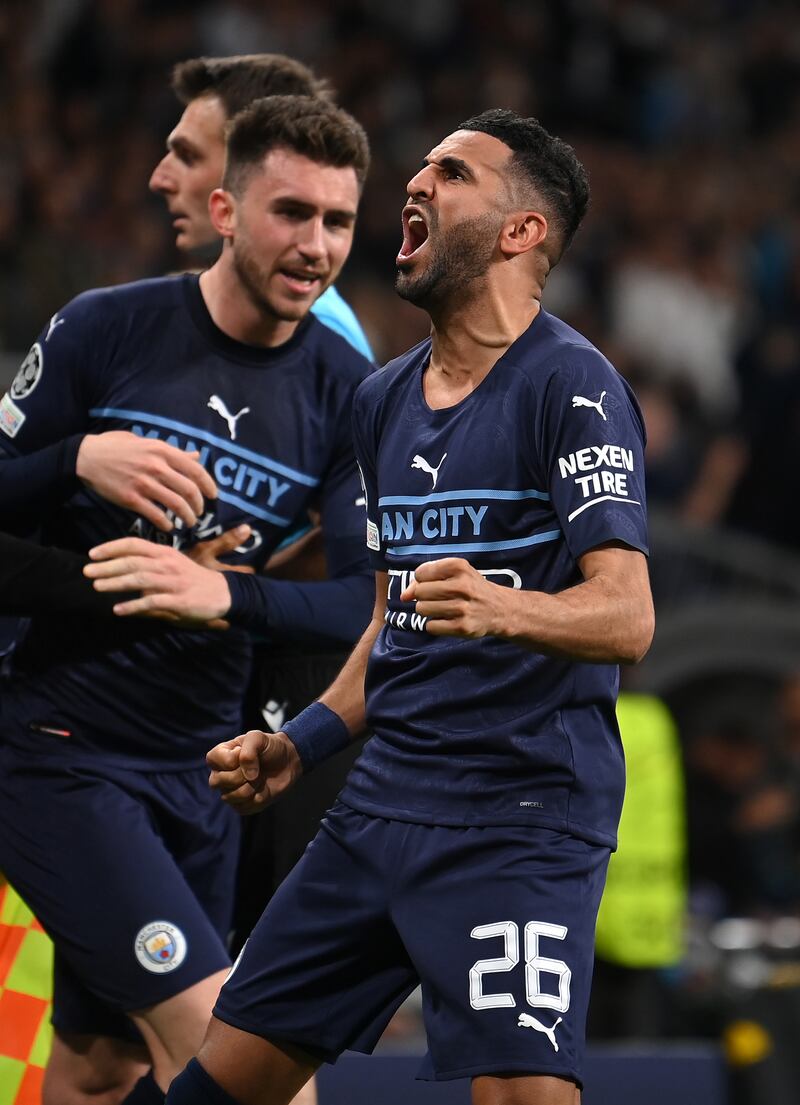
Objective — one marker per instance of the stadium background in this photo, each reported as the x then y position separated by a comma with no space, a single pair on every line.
686,273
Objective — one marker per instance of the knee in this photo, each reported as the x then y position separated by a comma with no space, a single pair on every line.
85,1070
56,1092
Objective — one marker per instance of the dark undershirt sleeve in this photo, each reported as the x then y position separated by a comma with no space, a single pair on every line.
28,482
337,609
36,580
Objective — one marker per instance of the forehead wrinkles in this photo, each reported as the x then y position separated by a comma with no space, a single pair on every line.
488,158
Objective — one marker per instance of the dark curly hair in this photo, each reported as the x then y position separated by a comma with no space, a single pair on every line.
315,128
543,164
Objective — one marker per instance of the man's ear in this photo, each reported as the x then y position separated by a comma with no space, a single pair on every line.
222,210
523,231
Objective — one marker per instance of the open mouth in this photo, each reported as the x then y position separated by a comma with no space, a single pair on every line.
415,234
301,281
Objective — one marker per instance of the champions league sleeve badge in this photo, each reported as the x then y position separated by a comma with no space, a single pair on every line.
26,379
28,374
160,947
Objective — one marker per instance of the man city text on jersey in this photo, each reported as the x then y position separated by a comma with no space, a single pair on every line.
540,464
270,425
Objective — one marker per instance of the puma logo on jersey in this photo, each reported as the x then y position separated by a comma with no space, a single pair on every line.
218,406
527,1021
420,462
54,321
579,401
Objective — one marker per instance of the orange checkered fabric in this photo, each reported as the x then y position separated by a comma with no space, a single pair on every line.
26,975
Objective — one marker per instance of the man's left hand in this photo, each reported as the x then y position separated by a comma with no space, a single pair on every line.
208,553
173,586
456,599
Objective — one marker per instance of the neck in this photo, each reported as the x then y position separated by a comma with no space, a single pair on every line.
236,312
470,336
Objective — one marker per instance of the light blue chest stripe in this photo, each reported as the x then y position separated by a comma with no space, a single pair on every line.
249,508
220,442
477,546
448,496
295,535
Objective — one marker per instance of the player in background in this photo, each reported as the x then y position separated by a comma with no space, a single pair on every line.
108,828
502,462
212,91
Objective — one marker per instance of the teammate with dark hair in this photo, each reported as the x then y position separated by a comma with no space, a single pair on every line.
542,166
238,80
502,462
212,91
222,398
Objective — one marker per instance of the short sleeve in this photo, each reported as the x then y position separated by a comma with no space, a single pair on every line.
592,444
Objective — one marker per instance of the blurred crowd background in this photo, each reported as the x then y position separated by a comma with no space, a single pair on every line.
686,113
686,274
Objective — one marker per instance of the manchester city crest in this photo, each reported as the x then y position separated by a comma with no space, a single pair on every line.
160,947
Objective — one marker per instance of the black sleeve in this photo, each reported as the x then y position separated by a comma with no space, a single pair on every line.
31,482
37,580
335,609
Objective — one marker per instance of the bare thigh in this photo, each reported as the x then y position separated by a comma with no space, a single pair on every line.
174,1029
525,1089
308,1094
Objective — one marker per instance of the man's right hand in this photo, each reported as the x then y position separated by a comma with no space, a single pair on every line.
252,770
146,476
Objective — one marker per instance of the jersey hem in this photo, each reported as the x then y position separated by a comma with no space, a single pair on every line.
420,817
583,547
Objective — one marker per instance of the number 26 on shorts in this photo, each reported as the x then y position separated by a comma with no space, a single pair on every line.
536,965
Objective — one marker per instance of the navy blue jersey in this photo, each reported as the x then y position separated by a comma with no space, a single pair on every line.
271,425
541,463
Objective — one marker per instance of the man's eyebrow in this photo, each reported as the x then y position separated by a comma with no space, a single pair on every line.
178,143
303,207
450,163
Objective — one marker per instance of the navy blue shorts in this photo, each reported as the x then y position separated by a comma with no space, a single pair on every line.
497,924
131,873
